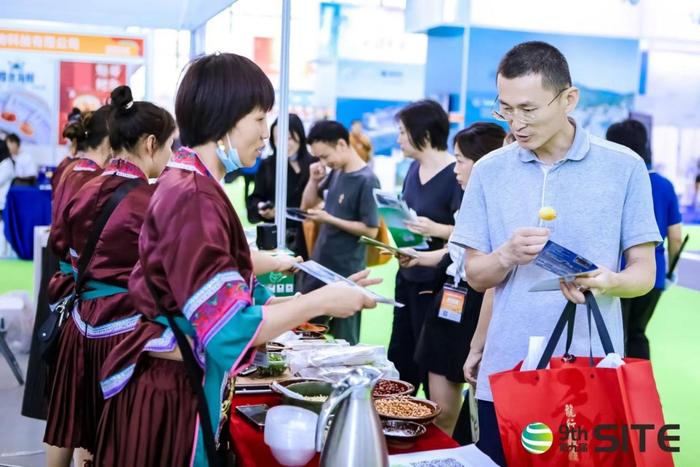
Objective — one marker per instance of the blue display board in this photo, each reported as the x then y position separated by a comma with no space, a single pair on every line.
605,69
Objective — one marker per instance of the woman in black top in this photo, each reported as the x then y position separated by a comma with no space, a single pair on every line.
444,342
431,190
261,202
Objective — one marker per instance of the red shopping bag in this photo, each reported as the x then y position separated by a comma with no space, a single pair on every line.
574,414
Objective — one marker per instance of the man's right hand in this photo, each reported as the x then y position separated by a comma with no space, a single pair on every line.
317,172
523,246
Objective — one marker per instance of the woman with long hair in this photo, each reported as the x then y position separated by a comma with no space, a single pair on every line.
260,203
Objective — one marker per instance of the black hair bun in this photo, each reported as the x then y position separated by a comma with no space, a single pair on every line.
74,130
75,126
74,115
122,100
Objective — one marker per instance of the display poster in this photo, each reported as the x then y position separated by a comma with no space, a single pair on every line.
86,86
27,94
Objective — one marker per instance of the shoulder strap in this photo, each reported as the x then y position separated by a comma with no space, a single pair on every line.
97,228
194,375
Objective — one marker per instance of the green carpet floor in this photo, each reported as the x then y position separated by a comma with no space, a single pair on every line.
673,332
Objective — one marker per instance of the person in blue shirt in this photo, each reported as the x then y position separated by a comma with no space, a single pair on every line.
638,311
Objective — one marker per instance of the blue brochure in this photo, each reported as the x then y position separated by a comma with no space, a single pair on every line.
562,262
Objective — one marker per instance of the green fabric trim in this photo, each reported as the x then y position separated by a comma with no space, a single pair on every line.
66,268
93,289
97,289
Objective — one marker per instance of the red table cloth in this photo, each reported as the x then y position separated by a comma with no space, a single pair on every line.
251,450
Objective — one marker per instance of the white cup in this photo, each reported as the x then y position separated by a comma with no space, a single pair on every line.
290,432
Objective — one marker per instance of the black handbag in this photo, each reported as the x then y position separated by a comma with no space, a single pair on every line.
36,389
50,330
218,456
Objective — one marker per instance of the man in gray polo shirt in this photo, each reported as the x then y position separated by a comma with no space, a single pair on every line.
602,198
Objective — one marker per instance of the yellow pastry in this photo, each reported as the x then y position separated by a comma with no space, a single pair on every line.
547,213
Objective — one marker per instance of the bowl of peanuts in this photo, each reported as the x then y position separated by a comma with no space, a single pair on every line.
391,387
407,408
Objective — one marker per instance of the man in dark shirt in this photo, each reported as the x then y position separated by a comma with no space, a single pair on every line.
349,211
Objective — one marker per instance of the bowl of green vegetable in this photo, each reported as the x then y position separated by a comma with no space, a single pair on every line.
276,366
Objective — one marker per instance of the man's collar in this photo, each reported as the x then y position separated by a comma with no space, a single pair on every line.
578,150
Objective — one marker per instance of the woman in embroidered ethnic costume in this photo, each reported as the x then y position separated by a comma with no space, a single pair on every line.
141,136
72,132
94,141
193,249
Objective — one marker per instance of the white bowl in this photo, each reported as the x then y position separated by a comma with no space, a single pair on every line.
290,432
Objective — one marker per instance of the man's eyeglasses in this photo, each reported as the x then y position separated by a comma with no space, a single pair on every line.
524,115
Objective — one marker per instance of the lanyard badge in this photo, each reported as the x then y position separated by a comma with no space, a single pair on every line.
452,303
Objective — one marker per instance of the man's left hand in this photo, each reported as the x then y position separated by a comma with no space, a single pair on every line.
600,282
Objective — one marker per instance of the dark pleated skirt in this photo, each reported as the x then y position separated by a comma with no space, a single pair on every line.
76,400
151,421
